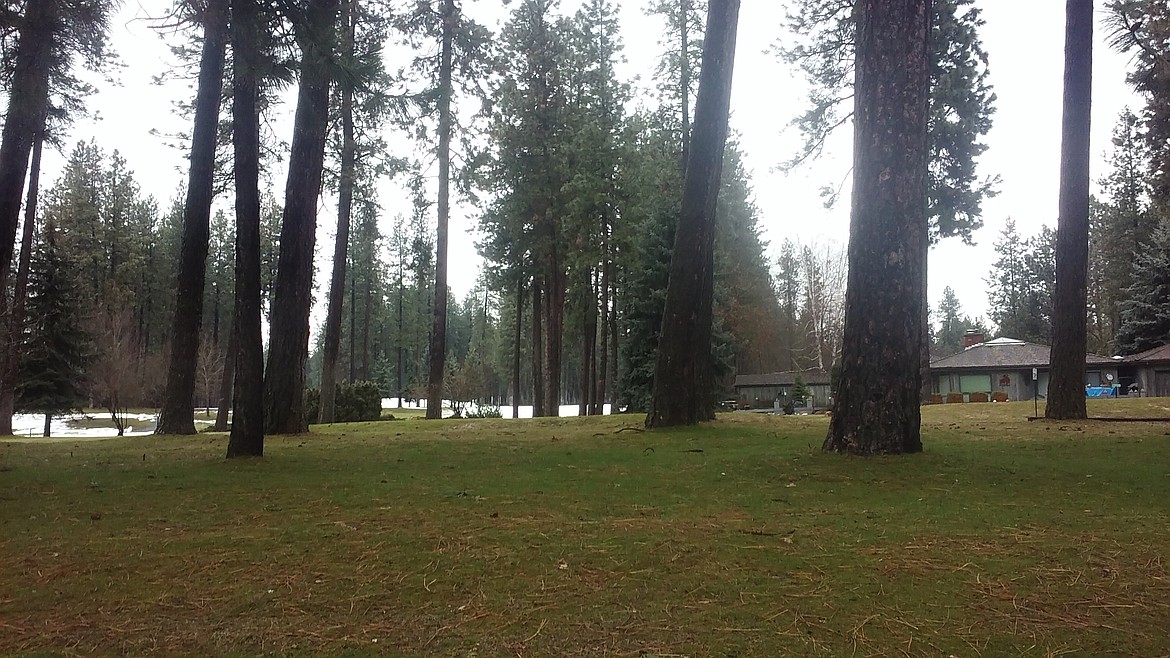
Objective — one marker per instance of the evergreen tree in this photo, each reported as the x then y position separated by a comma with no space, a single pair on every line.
55,348
1121,227
288,345
877,403
1142,29
961,99
684,375
42,91
1145,316
1066,398
177,413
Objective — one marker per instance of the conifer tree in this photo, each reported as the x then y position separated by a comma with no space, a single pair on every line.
877,403
55,348
1066,398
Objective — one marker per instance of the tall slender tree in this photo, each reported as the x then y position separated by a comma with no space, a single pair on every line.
247,433
288,345
877,405
10,356
684,374
177,415
438,351
344,211
1066,390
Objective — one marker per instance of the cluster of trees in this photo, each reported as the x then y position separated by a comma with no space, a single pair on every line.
612,273
579,197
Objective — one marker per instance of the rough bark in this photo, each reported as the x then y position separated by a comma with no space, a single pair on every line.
177,415
516,347
228,378
11,356
554,318
683,378
603,360
1066,389
877,407
438,352
24,123
288,344
588,345
332,345
537,349
247,436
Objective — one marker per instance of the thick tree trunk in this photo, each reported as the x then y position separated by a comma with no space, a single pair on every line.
288,344
538,409
48,424
228,378
683,379
11,356
517,347
438,352
877,408
341,245
24,122
1066,389
177,415
247,436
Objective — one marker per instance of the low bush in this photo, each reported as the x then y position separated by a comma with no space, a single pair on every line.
354,401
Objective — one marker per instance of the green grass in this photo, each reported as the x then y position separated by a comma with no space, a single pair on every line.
572,537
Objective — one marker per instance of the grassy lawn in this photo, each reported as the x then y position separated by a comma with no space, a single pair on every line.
573,537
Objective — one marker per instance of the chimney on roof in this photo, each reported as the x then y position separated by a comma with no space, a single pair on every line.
972,337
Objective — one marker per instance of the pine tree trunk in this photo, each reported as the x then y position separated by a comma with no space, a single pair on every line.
554,313
288,345
877,408
538,409
683,379
352,330
48,424
177,415
588,343
613,342
247,435
228,378
603,361
516,346
11,356
24,122
438,352
332,347
1066,388
367,318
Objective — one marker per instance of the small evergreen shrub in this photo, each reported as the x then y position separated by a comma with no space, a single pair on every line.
354,401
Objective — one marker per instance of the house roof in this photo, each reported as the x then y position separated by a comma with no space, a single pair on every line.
809,377
1160,353
1005,353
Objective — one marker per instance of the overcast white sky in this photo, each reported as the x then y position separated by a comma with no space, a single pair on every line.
1024,40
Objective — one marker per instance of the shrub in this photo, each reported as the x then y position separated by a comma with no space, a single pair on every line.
979,397
954,397
354,401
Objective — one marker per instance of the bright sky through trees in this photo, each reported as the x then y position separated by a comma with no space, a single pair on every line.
1023,39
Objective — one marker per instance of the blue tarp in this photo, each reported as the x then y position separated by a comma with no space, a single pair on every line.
1100,392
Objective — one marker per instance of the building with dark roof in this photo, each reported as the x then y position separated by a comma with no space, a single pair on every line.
1148,372
763,391
1013,368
